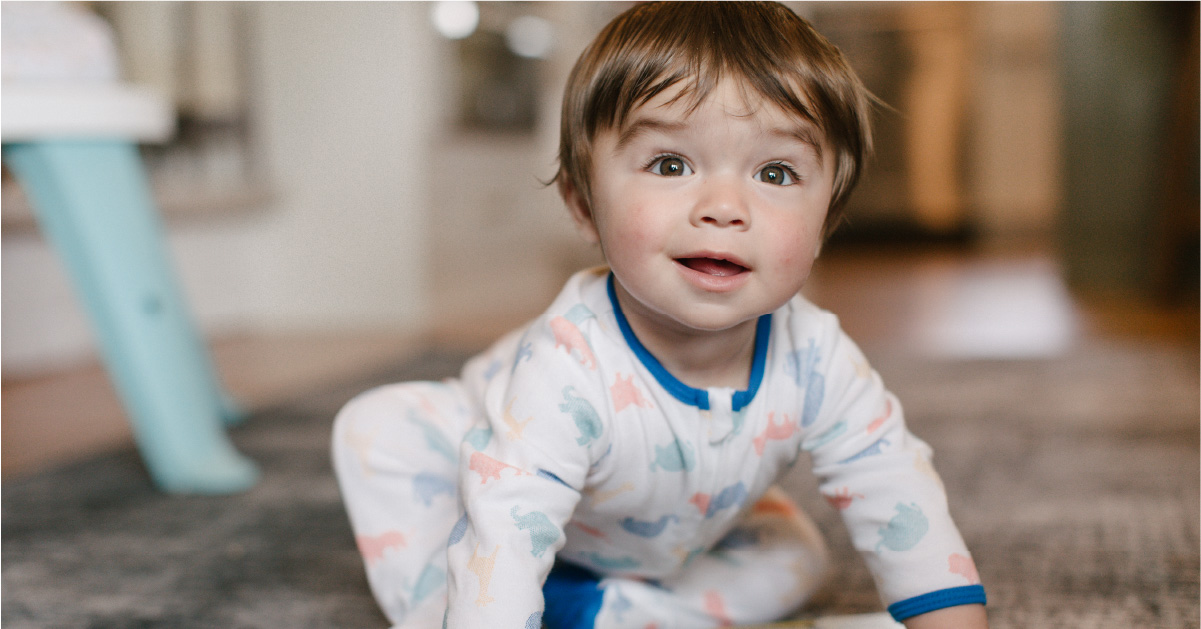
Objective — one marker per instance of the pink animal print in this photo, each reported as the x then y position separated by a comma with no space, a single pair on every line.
589,530
428,405
879,421
372,548
701,500
625,393
489,468
715,606
569,336
783,430
842,498
963,566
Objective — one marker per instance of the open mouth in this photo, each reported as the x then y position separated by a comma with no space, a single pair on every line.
713,266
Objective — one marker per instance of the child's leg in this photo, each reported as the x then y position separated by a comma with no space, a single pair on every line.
395,452
765,569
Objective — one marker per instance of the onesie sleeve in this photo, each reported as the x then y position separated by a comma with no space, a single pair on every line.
520,476
880,478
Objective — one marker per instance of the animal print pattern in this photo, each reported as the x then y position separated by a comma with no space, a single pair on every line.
560,444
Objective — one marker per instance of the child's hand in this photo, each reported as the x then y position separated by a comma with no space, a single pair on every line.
961,617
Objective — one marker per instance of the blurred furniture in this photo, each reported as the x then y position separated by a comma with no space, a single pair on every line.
913,56
1130,221
73,148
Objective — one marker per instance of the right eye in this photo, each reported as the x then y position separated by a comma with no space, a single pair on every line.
670,166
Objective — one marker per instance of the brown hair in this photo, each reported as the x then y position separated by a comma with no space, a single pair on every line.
764,45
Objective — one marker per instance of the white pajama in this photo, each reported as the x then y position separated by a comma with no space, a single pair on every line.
566,441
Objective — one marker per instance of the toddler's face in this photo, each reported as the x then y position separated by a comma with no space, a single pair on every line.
712,218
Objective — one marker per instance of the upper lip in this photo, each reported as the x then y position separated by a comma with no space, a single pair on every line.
713,255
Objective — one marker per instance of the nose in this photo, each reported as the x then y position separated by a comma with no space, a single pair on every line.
722,203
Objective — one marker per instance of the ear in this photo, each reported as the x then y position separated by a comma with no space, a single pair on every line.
580,210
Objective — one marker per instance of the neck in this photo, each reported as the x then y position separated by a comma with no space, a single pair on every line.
698,358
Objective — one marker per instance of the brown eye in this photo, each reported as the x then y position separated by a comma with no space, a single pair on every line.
670,167
776,174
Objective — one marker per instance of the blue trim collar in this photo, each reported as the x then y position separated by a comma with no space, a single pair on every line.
682,392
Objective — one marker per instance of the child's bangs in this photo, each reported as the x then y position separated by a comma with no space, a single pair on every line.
696,79
692,48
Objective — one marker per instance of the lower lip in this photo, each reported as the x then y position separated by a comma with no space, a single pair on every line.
714,283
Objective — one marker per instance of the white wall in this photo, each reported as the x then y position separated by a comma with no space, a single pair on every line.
347,99
502,243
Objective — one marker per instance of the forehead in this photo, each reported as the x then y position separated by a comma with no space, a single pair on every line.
679,106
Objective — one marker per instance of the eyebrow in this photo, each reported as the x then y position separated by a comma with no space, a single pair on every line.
643,126
805,134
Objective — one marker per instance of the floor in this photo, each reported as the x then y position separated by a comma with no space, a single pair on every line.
940,303
1074,476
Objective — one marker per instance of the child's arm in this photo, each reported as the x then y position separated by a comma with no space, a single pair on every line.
961,617
879,476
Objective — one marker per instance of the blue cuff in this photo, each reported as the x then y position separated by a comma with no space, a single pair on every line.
950,597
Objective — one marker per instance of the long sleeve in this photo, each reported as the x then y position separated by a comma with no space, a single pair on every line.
880,477
521,475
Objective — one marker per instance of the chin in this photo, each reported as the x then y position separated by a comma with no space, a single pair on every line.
715,322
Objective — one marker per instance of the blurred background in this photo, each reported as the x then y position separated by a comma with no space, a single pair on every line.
349,183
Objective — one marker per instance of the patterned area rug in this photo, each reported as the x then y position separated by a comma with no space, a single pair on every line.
1074,480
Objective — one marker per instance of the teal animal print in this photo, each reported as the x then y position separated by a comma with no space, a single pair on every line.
584,414
648,529
738,420
431,579
676,456
905,529
434,438
826,437
478,437
802,366
542,532
578,314
611,563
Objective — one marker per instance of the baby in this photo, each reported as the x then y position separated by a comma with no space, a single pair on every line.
612,463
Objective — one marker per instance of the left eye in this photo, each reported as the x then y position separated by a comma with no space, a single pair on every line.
777,174
670,166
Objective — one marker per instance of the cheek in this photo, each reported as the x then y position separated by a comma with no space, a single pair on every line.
795,249
798,240
630,226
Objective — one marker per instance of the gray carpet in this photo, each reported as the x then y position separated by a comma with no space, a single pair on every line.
1075,482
